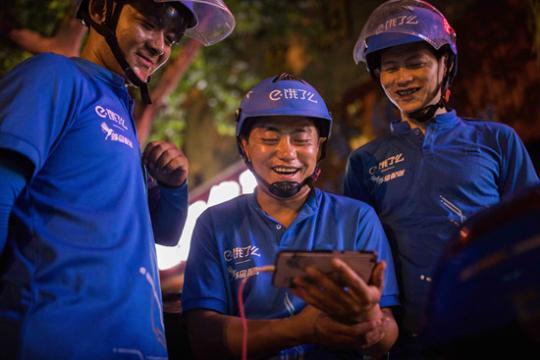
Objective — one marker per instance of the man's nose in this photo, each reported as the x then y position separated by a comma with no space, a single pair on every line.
403,75
156,43
285,149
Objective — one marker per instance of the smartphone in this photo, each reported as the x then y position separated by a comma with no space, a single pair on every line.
290,264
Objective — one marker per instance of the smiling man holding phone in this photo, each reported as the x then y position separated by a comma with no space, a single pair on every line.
283,125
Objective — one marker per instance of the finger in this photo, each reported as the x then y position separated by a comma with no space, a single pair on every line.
154,152
377,277
333,287
166,157
318,294
148,148
358,288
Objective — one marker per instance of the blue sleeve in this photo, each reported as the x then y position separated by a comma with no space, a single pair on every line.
12,183
517,169
353,185
371,237
168,210
37,100
205,281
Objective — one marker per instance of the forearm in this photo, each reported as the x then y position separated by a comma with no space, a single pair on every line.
218,334
169,213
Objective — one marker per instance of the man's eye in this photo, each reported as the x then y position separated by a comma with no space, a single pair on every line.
415,65
148,25
389,69
269,141
302,141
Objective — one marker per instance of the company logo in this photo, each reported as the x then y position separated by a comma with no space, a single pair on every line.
117,120
397,21
241,253
384,167
291,93
387,164
111,135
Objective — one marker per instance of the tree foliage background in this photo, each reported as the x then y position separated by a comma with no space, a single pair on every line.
498,76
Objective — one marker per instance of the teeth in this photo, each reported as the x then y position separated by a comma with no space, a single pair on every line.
284,170
406,92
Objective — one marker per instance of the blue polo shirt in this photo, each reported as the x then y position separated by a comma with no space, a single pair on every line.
79,277
424,187
231,238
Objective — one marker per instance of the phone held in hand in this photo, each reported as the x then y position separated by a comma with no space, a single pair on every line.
290,264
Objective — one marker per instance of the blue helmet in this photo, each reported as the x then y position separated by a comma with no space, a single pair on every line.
400,22
284,95
211,21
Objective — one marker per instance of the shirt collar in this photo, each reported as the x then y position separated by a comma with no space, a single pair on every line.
309,209
442,121
102,72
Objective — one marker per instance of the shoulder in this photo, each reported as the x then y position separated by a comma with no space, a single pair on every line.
488,126
47,63
373,145
228,212
42,71
345,206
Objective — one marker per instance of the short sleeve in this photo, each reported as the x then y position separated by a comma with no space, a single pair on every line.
517,169
353,185
371,237
204,284
37,101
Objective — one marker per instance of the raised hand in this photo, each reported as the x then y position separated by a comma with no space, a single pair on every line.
166,163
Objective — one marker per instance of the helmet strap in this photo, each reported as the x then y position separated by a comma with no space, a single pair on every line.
285,189
108,30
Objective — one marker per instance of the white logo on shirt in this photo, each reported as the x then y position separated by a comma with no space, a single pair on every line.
117,120
113,136
241,253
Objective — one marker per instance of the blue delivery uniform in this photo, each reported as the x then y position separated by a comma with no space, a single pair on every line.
424,187
79,273
234,237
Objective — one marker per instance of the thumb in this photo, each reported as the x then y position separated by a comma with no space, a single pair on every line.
377,277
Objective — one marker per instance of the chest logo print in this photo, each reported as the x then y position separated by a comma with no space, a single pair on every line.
111,135
381,173
117,121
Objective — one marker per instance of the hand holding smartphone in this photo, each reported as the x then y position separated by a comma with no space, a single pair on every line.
290,264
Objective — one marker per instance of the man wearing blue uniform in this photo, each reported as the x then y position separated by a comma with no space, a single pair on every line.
435,169
283,124
79,278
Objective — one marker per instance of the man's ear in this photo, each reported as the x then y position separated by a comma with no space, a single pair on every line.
97,9
244,145
322,140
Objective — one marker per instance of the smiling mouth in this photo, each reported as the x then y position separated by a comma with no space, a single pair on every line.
145,61
283,170
407,92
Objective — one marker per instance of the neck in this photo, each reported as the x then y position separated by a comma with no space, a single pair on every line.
281,209
414,124
93,52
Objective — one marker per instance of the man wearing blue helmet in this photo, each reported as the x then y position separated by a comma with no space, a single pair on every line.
79,278
435,169
283,124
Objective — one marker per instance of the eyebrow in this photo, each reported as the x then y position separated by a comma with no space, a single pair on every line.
409,58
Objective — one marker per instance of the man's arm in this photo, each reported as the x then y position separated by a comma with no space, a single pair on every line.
517,168
169,199
353,185
15,170
214,335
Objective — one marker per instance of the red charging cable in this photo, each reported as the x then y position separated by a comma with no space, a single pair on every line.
242,310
